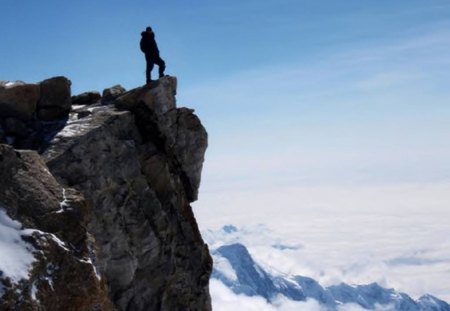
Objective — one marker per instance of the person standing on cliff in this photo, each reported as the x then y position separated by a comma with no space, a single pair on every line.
151,51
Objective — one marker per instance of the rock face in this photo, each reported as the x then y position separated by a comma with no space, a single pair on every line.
62,276
86,98
133,167
49,99
31,113
19,100
55,100
112,93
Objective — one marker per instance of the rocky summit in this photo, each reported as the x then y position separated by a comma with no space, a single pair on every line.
95,199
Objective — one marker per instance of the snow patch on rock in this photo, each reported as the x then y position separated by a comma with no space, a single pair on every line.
17,255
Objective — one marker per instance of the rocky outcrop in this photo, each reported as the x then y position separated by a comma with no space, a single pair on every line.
177,131
19,100
30,114
86,98
134,165
111,93
62,276
55,101
49,99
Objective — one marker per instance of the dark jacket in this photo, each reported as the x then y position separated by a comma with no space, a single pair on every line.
148,44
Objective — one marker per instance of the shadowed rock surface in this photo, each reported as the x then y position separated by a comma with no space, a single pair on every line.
62,276
136,164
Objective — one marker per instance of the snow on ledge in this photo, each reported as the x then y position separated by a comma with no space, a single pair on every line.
16,254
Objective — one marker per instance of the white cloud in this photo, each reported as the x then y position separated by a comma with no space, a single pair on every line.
355,307
222,265
224,299
358,235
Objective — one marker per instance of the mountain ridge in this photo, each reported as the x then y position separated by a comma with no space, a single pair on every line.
252,280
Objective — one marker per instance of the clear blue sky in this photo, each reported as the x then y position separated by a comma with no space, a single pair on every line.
331,86
95,42
342,90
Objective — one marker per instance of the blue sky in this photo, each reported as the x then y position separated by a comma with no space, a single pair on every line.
344,104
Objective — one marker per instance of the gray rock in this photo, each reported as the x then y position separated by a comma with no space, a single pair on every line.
189,149
55,101
130,170
86,98
62,276
149,246
111,93
176,131
18,100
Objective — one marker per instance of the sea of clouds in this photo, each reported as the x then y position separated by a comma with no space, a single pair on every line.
395,236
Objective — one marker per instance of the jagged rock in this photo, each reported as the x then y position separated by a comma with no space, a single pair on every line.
177,131
55,101
55,92
155,255
18,100
111,93
159,96
86,98
62,276
50,99
191,141
22,129
138,167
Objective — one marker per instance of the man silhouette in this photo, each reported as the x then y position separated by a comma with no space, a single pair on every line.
150,49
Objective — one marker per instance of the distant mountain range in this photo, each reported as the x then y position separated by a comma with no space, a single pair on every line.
234,267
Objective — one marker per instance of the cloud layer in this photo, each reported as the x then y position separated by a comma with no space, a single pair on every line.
392,235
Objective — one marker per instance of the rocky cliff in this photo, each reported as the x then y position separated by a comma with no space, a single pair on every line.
101,207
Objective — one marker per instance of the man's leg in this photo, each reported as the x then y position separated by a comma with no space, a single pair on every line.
162,66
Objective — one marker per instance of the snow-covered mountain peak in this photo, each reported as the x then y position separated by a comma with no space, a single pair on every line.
244,276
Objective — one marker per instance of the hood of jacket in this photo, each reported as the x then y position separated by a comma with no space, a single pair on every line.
145,34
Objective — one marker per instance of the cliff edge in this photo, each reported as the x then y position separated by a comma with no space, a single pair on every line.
98,216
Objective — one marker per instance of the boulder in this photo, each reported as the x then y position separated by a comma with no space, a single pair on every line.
112,93
159,96
86,98
55,101
18,100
